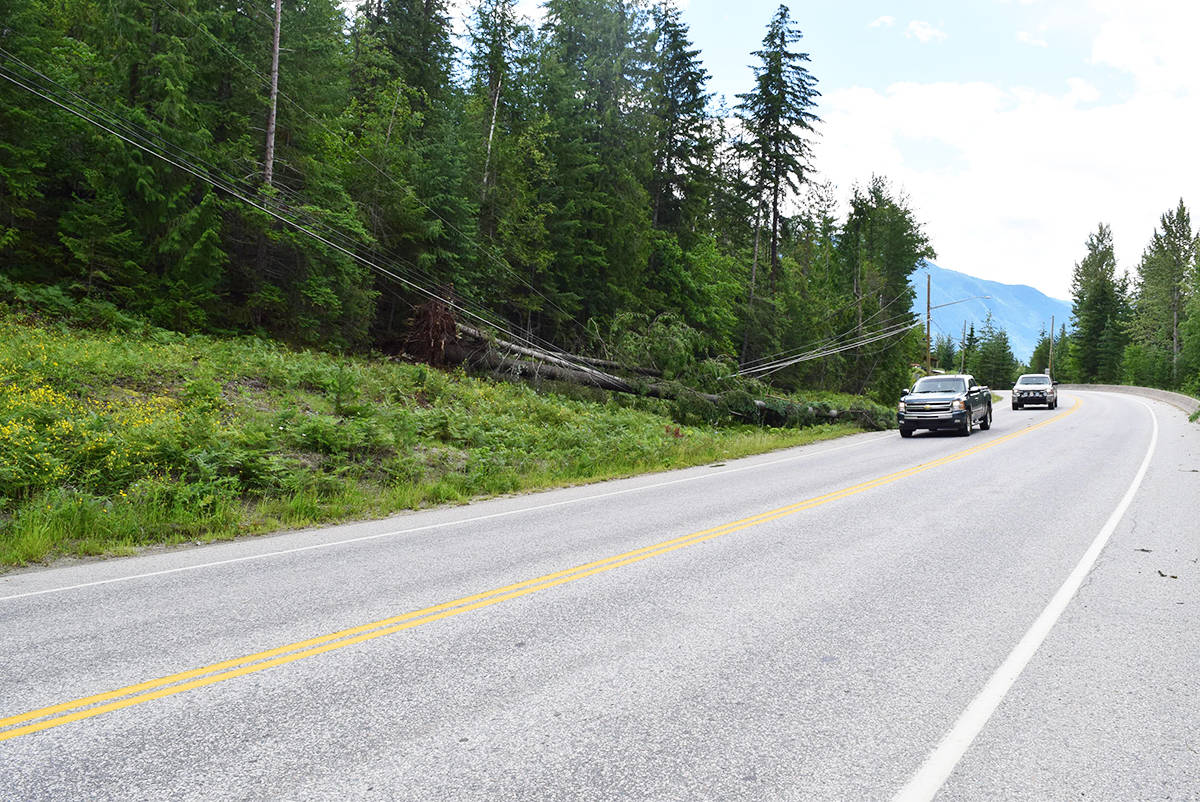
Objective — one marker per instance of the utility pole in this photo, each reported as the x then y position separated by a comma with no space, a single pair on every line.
1050,367
928,323
962,350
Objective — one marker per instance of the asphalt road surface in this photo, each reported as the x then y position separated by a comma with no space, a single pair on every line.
1010,615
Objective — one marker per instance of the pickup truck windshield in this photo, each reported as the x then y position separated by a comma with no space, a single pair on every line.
1034,380
939,384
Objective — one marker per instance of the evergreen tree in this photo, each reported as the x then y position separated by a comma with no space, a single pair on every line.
417,37
815,296
511,152
880,246
945,355
967,348
1061,367
1098,304
1189,355
778,119
1039,361
412,185
594,61
1164,278
683,144
731,202
293,284
39,146
994,364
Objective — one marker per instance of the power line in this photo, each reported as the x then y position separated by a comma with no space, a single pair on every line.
299,203
787,356
113,124
765,370
833,337
498,261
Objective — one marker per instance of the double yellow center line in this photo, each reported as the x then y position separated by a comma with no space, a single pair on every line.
56,715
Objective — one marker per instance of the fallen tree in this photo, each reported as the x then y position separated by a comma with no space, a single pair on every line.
466,345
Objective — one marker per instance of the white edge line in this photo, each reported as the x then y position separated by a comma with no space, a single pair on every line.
427,527
933,774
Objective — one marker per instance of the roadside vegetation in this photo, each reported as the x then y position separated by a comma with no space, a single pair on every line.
114,439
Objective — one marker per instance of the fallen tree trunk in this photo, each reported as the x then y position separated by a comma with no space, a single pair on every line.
434,339
484,356
608,364
571,364
481,354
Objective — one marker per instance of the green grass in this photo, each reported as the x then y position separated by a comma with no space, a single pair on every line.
114,441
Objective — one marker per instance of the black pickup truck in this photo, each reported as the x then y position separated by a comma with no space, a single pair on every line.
951,401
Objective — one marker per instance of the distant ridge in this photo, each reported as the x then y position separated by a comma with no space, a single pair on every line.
1020,310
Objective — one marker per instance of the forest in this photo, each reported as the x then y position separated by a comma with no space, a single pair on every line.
571,186
1139,326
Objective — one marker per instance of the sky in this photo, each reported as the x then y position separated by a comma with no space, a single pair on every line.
1014,127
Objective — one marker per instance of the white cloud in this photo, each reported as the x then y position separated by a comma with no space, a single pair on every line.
1081,91
882,22
924,32
1154,40
1027,38
1027,175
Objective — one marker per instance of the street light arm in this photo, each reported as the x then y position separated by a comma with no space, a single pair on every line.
929,317
961,300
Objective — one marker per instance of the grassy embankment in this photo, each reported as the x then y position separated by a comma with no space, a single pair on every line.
112,441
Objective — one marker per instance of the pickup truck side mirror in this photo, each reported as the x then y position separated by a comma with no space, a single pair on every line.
1054,383
905,391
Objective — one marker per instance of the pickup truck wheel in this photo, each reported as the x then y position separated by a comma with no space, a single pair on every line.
966,427
1016,405
906,432
985,422
1055,404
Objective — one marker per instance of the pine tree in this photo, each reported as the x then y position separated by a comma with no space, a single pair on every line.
413,186
1165,275
1096,310
1039,361
511,133
994,364
594,61
417,36
880,246
683,144
945,355
1189,355
35,147
967,349
778,119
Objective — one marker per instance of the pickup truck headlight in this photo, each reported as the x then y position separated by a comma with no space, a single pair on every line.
900,407
958,404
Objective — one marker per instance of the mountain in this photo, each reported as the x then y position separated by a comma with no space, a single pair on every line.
1020,310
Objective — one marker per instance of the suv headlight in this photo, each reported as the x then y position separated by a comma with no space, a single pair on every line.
958,403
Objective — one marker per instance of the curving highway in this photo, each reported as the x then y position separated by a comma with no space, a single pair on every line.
1010,615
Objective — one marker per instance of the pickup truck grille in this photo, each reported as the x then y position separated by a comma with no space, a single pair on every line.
926,409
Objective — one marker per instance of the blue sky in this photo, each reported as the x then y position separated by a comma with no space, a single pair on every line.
1014,127
871,44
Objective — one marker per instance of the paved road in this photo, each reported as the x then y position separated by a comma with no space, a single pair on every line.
809,624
